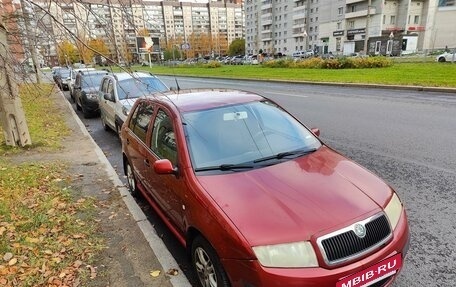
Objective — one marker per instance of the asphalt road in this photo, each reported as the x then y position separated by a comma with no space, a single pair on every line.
406,137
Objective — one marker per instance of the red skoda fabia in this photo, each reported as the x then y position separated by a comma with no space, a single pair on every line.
257,198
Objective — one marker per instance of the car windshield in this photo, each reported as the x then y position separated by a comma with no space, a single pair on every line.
92,80
260,133
64,73
136,87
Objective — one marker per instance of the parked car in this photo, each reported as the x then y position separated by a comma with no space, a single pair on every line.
86,88
446,57
73,73
256,197
60,76
118,92
237,60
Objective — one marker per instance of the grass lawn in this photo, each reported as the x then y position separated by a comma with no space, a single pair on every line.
47,237
428,74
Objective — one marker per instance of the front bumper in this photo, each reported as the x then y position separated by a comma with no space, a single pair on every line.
249,273
90,105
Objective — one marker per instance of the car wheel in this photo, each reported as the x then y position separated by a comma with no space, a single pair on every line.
207,266
78,106
85,112
131,180
118,129
441,59
103,122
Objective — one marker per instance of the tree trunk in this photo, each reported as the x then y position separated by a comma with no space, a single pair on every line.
31,42
12,115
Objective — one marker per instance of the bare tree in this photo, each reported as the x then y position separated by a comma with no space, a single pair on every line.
12,115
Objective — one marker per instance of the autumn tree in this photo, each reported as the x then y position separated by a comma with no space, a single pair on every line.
99,48
67,53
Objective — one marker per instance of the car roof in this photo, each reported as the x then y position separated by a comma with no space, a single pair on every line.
202,99
93,72
125,75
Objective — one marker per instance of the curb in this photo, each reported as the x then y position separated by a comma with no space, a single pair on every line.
162,254
355,85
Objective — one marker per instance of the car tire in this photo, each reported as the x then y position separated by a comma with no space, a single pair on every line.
131,180
118,129
206,265
442,59
103,122
78,106
85,113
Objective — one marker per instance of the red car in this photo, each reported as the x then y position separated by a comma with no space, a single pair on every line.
257,198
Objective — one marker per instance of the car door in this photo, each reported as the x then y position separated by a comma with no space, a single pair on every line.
109,105
135,142
168,190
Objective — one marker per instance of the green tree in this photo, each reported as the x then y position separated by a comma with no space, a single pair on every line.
237,47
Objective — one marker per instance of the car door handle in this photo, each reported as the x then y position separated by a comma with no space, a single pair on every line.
146,163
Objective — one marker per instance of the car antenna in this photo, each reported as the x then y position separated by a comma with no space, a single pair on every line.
177,84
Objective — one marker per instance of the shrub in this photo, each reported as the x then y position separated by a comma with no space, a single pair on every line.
310,63
212,64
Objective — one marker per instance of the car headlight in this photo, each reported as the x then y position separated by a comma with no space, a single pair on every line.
92,96
293,255
125,110
393,210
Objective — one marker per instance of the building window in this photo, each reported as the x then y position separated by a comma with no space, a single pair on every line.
416,20
393,20
339,25
384,19
340,10
351,24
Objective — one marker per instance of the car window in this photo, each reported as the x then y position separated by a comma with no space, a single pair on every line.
243,133
163,142
140,120
92,80
110,89
136,87
104,85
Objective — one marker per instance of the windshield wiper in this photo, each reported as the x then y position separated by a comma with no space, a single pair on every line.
225,167
297,153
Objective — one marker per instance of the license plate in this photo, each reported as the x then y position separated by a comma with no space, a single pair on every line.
373,274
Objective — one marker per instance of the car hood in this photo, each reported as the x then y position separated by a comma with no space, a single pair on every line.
91,90
128,103
297,199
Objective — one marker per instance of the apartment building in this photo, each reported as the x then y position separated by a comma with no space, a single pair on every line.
120,22
347,26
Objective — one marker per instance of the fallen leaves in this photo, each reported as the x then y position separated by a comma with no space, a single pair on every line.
47,238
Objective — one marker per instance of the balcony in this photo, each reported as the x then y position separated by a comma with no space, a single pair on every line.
358,14
353,1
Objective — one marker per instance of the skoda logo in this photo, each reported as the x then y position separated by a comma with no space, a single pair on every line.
359,230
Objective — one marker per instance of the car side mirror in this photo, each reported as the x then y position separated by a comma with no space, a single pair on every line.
316,131
164,166
109,97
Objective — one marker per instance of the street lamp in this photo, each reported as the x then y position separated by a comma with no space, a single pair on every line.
306,39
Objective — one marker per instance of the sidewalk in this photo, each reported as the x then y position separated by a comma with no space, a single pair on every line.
133,249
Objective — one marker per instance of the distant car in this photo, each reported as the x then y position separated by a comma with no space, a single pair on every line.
446,57
256,198
73,73
61,77
86,88
118,92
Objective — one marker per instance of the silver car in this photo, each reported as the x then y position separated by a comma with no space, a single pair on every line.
118,92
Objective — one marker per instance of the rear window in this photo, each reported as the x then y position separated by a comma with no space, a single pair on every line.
136,87
92,80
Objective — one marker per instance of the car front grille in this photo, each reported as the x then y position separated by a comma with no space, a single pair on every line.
344,245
